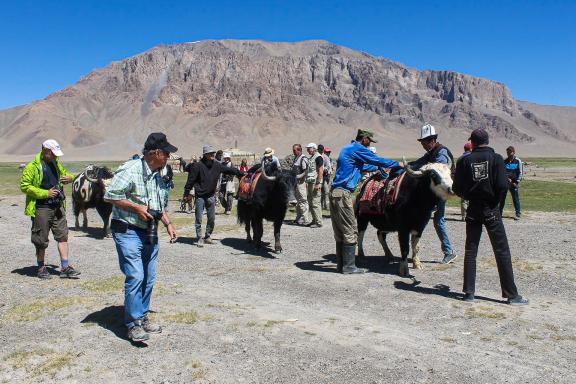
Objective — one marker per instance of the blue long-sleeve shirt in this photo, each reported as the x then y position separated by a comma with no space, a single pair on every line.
353,159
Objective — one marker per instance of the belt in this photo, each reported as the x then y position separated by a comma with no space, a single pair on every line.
126,225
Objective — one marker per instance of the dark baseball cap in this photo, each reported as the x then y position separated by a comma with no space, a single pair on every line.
479,136
157,140
511,148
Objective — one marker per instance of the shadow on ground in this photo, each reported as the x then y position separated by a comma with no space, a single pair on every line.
32,271
245,247
112,319
439,289
94,233
374,264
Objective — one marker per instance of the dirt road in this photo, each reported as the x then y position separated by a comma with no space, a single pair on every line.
232,315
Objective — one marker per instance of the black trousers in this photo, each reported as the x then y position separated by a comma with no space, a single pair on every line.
478,215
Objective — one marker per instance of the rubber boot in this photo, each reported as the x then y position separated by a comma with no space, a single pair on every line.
339,260
349,258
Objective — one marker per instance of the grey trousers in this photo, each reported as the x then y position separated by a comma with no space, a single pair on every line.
314,203
210,204
342,215
301,203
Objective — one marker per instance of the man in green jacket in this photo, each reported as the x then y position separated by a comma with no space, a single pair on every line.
42,183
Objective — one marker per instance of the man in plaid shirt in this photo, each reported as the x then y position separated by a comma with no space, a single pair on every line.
140,197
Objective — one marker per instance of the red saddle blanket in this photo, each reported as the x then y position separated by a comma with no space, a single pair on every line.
247,185
378,193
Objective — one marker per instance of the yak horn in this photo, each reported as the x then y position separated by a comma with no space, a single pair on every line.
265,176
410,171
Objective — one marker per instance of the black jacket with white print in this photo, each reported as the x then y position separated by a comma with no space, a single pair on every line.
481,177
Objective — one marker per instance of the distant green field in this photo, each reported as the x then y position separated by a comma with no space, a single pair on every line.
536,195
549,162
551,196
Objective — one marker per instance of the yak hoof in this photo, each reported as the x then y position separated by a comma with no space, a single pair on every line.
278,250
388,259
404,271
416,264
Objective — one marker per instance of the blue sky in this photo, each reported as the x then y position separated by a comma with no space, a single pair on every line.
528,45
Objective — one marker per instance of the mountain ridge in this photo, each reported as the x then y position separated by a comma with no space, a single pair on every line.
261,93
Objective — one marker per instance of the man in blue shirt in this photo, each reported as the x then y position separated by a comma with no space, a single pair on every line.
437,153
353,159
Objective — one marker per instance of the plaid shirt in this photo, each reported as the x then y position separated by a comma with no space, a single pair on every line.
135,181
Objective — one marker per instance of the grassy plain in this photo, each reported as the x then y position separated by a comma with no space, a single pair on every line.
535,195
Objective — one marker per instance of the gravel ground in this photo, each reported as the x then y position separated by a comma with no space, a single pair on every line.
232,315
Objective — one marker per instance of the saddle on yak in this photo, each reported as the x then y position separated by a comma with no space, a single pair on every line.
247,185
378,192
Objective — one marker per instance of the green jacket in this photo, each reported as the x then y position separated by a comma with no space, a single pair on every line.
32,179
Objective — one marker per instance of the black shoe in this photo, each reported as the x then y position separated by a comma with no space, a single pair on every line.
43,273
314,225
468,297
518,300
69,272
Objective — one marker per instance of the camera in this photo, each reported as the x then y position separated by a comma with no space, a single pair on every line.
58,199
152,230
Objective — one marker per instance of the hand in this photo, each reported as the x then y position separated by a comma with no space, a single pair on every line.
187,198
142,212
65,179
172,233
401,164
53,192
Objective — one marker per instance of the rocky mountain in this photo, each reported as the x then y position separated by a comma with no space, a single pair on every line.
257,94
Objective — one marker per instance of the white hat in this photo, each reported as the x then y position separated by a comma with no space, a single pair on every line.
372,149
268,152
226,155
53,146
427,131
312,145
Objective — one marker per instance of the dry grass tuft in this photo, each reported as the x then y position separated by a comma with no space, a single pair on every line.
37,309
483,312
190,317
112,284
42,361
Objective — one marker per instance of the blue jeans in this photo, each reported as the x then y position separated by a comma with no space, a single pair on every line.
515,200
440,226
138,263
210,204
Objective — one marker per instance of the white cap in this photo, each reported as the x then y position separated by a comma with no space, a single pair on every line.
226,154
53,146
312,145
426,131
372,149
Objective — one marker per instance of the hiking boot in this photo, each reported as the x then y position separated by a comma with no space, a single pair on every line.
314,225
208,240
468,297
518,300
517,217
137,332
150,327
43,273
200,242
449,258
69,272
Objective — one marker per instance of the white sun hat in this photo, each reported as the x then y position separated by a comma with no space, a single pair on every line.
53,145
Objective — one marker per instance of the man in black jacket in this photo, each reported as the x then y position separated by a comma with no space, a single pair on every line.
203,177
481,179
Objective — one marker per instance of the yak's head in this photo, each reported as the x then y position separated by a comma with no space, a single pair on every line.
285,179
98,175
440,178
